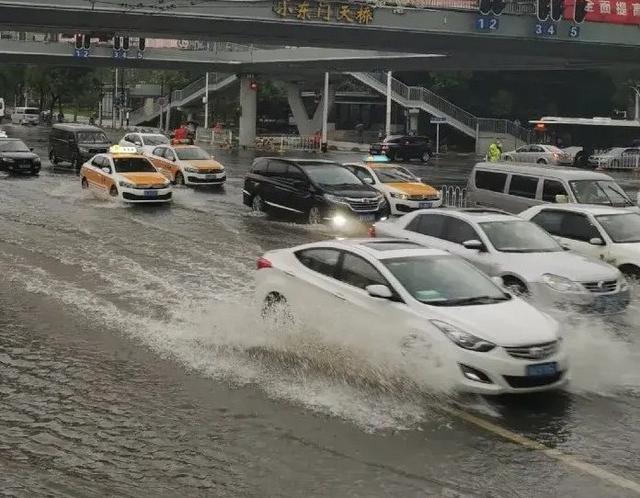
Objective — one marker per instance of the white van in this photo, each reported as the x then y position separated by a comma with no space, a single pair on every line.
515,187
25,115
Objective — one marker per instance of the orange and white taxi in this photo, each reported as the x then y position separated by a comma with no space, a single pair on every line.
187,165
124,174
404,191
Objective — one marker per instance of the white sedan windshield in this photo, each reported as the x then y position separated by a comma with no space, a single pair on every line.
519,236
444,281
622,228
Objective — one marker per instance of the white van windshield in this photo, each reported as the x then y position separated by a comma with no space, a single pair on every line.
603,192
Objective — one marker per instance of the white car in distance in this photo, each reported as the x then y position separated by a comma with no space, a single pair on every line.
499,343
527,258
144,142
604,232
540,154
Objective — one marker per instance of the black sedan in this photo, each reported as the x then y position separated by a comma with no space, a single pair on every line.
16,157
403,148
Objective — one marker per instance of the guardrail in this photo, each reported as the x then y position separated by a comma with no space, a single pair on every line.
453,196
223,139
625,161
281,143
449,109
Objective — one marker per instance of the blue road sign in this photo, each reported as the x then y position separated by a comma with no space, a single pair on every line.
81,53
119,54
546,29
487,23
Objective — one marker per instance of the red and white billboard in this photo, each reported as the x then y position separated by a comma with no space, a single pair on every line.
610,11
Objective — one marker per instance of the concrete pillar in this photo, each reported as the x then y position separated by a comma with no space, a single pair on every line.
307,126
414,114
248,108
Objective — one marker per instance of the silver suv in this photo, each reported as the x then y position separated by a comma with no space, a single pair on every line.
527,258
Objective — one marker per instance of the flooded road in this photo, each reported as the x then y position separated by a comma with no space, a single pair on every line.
131,364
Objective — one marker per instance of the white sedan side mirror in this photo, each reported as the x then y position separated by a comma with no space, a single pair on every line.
107,170
379,291
596,241
473,244
561,199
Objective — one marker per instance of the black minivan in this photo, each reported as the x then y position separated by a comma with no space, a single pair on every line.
76,143
321,191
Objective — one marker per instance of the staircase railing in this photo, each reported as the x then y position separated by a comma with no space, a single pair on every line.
421,94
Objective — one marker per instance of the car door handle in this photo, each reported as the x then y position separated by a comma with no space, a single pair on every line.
339,296
289,273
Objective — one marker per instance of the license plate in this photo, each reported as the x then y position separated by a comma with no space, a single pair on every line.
25,166
542,369
150,193
367,218
425,205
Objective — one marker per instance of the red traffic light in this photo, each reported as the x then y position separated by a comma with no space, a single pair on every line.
253,85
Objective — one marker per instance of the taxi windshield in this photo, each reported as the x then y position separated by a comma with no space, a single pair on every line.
155,139
192,153
92,137
133,165
394,175
13,146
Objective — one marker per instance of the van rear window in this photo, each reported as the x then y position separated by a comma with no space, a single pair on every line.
490,180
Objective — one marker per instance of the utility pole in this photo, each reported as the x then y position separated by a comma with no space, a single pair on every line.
114,101
636,114
325,113
206,100
387,126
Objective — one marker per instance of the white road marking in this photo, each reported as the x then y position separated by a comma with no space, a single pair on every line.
569,460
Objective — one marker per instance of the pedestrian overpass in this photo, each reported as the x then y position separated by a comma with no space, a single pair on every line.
282,22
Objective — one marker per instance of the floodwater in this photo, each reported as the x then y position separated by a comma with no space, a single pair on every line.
131,364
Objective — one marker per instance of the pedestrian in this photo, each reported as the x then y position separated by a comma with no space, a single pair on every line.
494,153
380,135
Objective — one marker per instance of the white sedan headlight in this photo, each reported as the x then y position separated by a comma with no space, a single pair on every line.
189,169
126,184
561,284
399,195
464,339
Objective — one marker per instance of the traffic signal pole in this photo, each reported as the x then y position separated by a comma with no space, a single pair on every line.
387,126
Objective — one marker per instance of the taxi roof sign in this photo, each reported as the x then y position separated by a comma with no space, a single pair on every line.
118,149
377,159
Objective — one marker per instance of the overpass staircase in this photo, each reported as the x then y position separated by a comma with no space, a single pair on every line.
183,97
482,130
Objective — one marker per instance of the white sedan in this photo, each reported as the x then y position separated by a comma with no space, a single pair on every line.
540,154
144,142
399,294
527,258
603,232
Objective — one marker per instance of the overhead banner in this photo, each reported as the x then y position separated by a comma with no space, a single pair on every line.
609,11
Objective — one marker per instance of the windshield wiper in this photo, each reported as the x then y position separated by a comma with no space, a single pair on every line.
464,301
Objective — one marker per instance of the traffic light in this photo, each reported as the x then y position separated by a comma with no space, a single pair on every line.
117,43
485,7
497,6
142,44
557,9
543,9
253,85
494,7
125,43
579,11
86,42
79,42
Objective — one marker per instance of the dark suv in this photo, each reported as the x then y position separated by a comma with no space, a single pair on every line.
321,191
76,143
403,148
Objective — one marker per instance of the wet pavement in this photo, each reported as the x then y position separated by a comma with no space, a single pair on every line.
131,364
